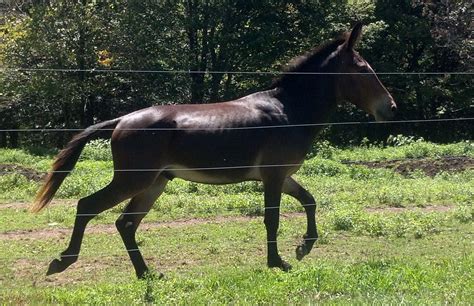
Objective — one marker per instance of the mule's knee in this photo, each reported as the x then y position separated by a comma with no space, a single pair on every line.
124,226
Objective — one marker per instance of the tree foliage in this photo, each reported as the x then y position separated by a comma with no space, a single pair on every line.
220,35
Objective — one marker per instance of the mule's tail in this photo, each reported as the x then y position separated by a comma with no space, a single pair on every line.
66,160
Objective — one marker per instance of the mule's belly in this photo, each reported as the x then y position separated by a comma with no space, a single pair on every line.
214,175
224,174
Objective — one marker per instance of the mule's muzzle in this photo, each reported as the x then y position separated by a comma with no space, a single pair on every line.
386,112
393,108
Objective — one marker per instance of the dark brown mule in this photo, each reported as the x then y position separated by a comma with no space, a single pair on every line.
223,143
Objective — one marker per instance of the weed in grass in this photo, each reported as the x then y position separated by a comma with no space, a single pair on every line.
464,213
345,218
192,187
390,195
363,173
252,211
16,186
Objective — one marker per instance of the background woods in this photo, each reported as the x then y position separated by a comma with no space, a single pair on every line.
221,35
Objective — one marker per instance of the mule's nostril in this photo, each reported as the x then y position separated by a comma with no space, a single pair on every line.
393,108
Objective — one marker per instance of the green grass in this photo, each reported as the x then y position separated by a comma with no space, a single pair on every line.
409,149
324,175
222,263
384,238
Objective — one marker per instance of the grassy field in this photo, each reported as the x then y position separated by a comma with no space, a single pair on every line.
396,226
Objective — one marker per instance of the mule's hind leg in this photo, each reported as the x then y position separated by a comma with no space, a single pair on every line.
133,214
117,191
294,189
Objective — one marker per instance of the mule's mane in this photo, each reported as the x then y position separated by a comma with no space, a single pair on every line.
309,62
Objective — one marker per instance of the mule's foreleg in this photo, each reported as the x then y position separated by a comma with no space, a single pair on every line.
272,194
129,221
294,189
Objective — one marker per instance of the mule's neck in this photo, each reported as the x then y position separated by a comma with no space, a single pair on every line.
308,93
309,99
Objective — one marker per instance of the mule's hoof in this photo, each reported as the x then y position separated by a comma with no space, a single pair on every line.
56,266
283,265
301,251
59,265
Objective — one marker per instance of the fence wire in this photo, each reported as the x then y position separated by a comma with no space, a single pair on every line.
98,70
211,168
227,167
48,130
87,253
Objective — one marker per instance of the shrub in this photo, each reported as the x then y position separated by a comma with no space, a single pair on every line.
464,213
98,149
323,149
344,218
326,167
401,140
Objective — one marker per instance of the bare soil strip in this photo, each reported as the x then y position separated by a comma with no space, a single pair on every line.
55,232
26,204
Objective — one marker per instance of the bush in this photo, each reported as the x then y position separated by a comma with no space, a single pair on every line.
464,213
401,140
326,167
98,149
323,149
344,218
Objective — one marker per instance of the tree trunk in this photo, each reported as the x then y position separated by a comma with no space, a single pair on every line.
198,52
87,115
3,139
227,85
14,139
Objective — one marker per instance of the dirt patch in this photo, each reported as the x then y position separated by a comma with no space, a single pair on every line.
29,173
55,232
430,167
83,271
26,204
63,233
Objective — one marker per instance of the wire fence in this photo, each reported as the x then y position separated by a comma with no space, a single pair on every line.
294,240
161,71
260,208
123,252
227,209
282,126
228,167
144,71
48,257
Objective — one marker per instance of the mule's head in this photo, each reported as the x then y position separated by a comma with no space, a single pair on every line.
357,82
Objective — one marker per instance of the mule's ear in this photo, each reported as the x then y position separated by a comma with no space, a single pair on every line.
354,37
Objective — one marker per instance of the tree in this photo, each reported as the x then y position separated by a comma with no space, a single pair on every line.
220,35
